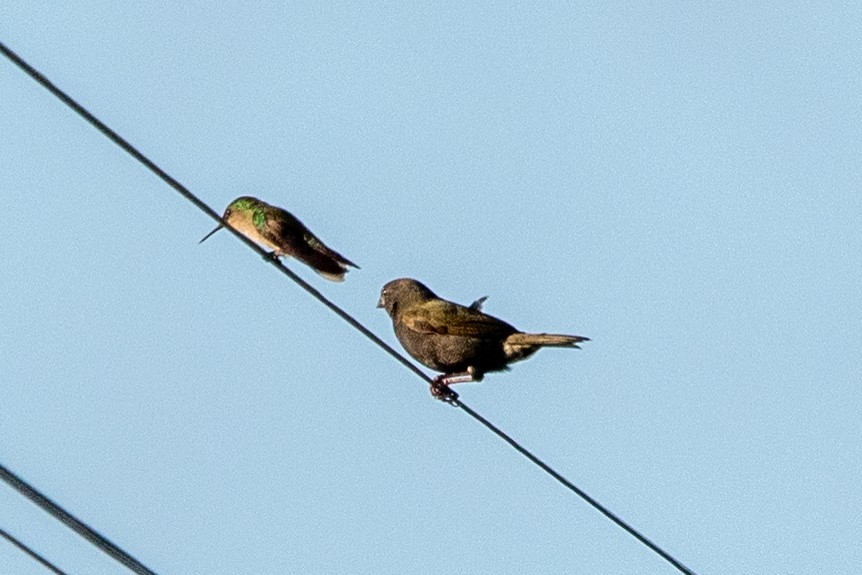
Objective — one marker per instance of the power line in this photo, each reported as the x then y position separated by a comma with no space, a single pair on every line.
580,492
187,194
451,399
23,547
75,524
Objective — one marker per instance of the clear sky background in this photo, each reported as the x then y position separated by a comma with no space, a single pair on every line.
679,182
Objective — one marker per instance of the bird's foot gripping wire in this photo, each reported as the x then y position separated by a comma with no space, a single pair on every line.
440,390
271,256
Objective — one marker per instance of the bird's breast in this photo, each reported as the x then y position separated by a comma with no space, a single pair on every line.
249,230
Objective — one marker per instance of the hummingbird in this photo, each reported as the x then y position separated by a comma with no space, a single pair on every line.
280,230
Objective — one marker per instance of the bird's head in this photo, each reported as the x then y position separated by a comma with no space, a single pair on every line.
401,293
241,208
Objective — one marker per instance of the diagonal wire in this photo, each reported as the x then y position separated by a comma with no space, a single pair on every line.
579,492
29,551
183,191
453,399
78,526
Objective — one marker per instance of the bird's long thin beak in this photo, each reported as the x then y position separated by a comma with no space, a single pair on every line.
218,227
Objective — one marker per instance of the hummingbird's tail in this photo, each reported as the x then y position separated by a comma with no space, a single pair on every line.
324,260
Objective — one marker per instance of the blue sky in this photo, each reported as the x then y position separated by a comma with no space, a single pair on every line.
680,183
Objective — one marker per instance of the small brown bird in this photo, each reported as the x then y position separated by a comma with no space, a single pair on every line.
461,342
278,229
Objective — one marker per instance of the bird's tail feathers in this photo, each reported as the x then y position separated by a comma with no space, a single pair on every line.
544,339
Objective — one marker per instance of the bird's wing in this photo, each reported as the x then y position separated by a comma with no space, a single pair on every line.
314,242
280,224
444,317
300,241
477,305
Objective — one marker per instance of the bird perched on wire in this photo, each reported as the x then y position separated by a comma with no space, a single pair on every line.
280,230
461,342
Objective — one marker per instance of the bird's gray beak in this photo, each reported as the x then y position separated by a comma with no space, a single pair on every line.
218,227
380,302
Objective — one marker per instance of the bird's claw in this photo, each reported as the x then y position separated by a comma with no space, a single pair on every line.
271,256
440,390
